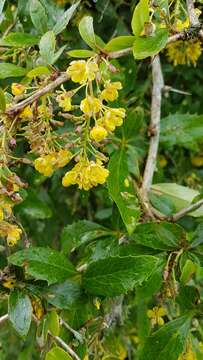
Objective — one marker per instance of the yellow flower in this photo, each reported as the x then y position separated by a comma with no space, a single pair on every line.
26,113
90,105
37,307
156,315
63,158
184,52
110,93
77,71
197,161
91,70
17,89
86,174
9,283
113,118
45,164
64,101
13,235
98,133
181,25
188,355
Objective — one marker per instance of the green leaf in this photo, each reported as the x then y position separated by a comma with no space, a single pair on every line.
162,203
38,71
64,295
34,207
181,196
120,43
64,19
140,17
168,342
2,100
160,236
153,284
47,47
20,312
43,264
19,39
188,270
197,238
116,275
144,47
52,323
58,54
182,129
57,354
123,194
87,31
80,233
38,16
10,70
82,53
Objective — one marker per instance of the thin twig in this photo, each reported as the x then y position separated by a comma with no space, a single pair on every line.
37,94
158,84
3,318
186,210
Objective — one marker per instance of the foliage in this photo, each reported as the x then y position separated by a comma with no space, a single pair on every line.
91,265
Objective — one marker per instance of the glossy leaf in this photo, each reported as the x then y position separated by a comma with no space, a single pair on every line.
38,16
121,192
144,47
57,354
10,70
168,342
86,30
64,19
120,43
47,47
82,53
43,264
53,323
117,275
38,71
140,17
20,311
160,236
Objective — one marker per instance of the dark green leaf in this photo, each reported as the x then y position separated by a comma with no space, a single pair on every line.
65,295
38,16
121,192
44,264
140,17
10,70
161,236
167,342
197,238
34,207
144,47
87,31
162,203
20,311
64,19
116,275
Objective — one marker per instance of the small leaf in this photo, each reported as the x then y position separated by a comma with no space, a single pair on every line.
38,71
64,19
140,17
81,53
160,236
116,275
53,324
168,342
43,264
123,195
10,70
17,39
20,312
2,100
144,47
57,354
38,16
120,43
87,31
47,47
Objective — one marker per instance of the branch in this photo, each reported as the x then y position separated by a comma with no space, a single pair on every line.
37,94
3,318
186,210
158,84
194,21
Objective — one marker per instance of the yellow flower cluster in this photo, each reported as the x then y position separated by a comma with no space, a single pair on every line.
156,315
184,52
81,71
47,164
17,89
110,93
26,113
86,174
11,232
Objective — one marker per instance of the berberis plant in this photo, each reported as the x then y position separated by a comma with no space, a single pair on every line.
101,191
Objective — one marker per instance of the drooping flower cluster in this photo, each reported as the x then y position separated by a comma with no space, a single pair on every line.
47,164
